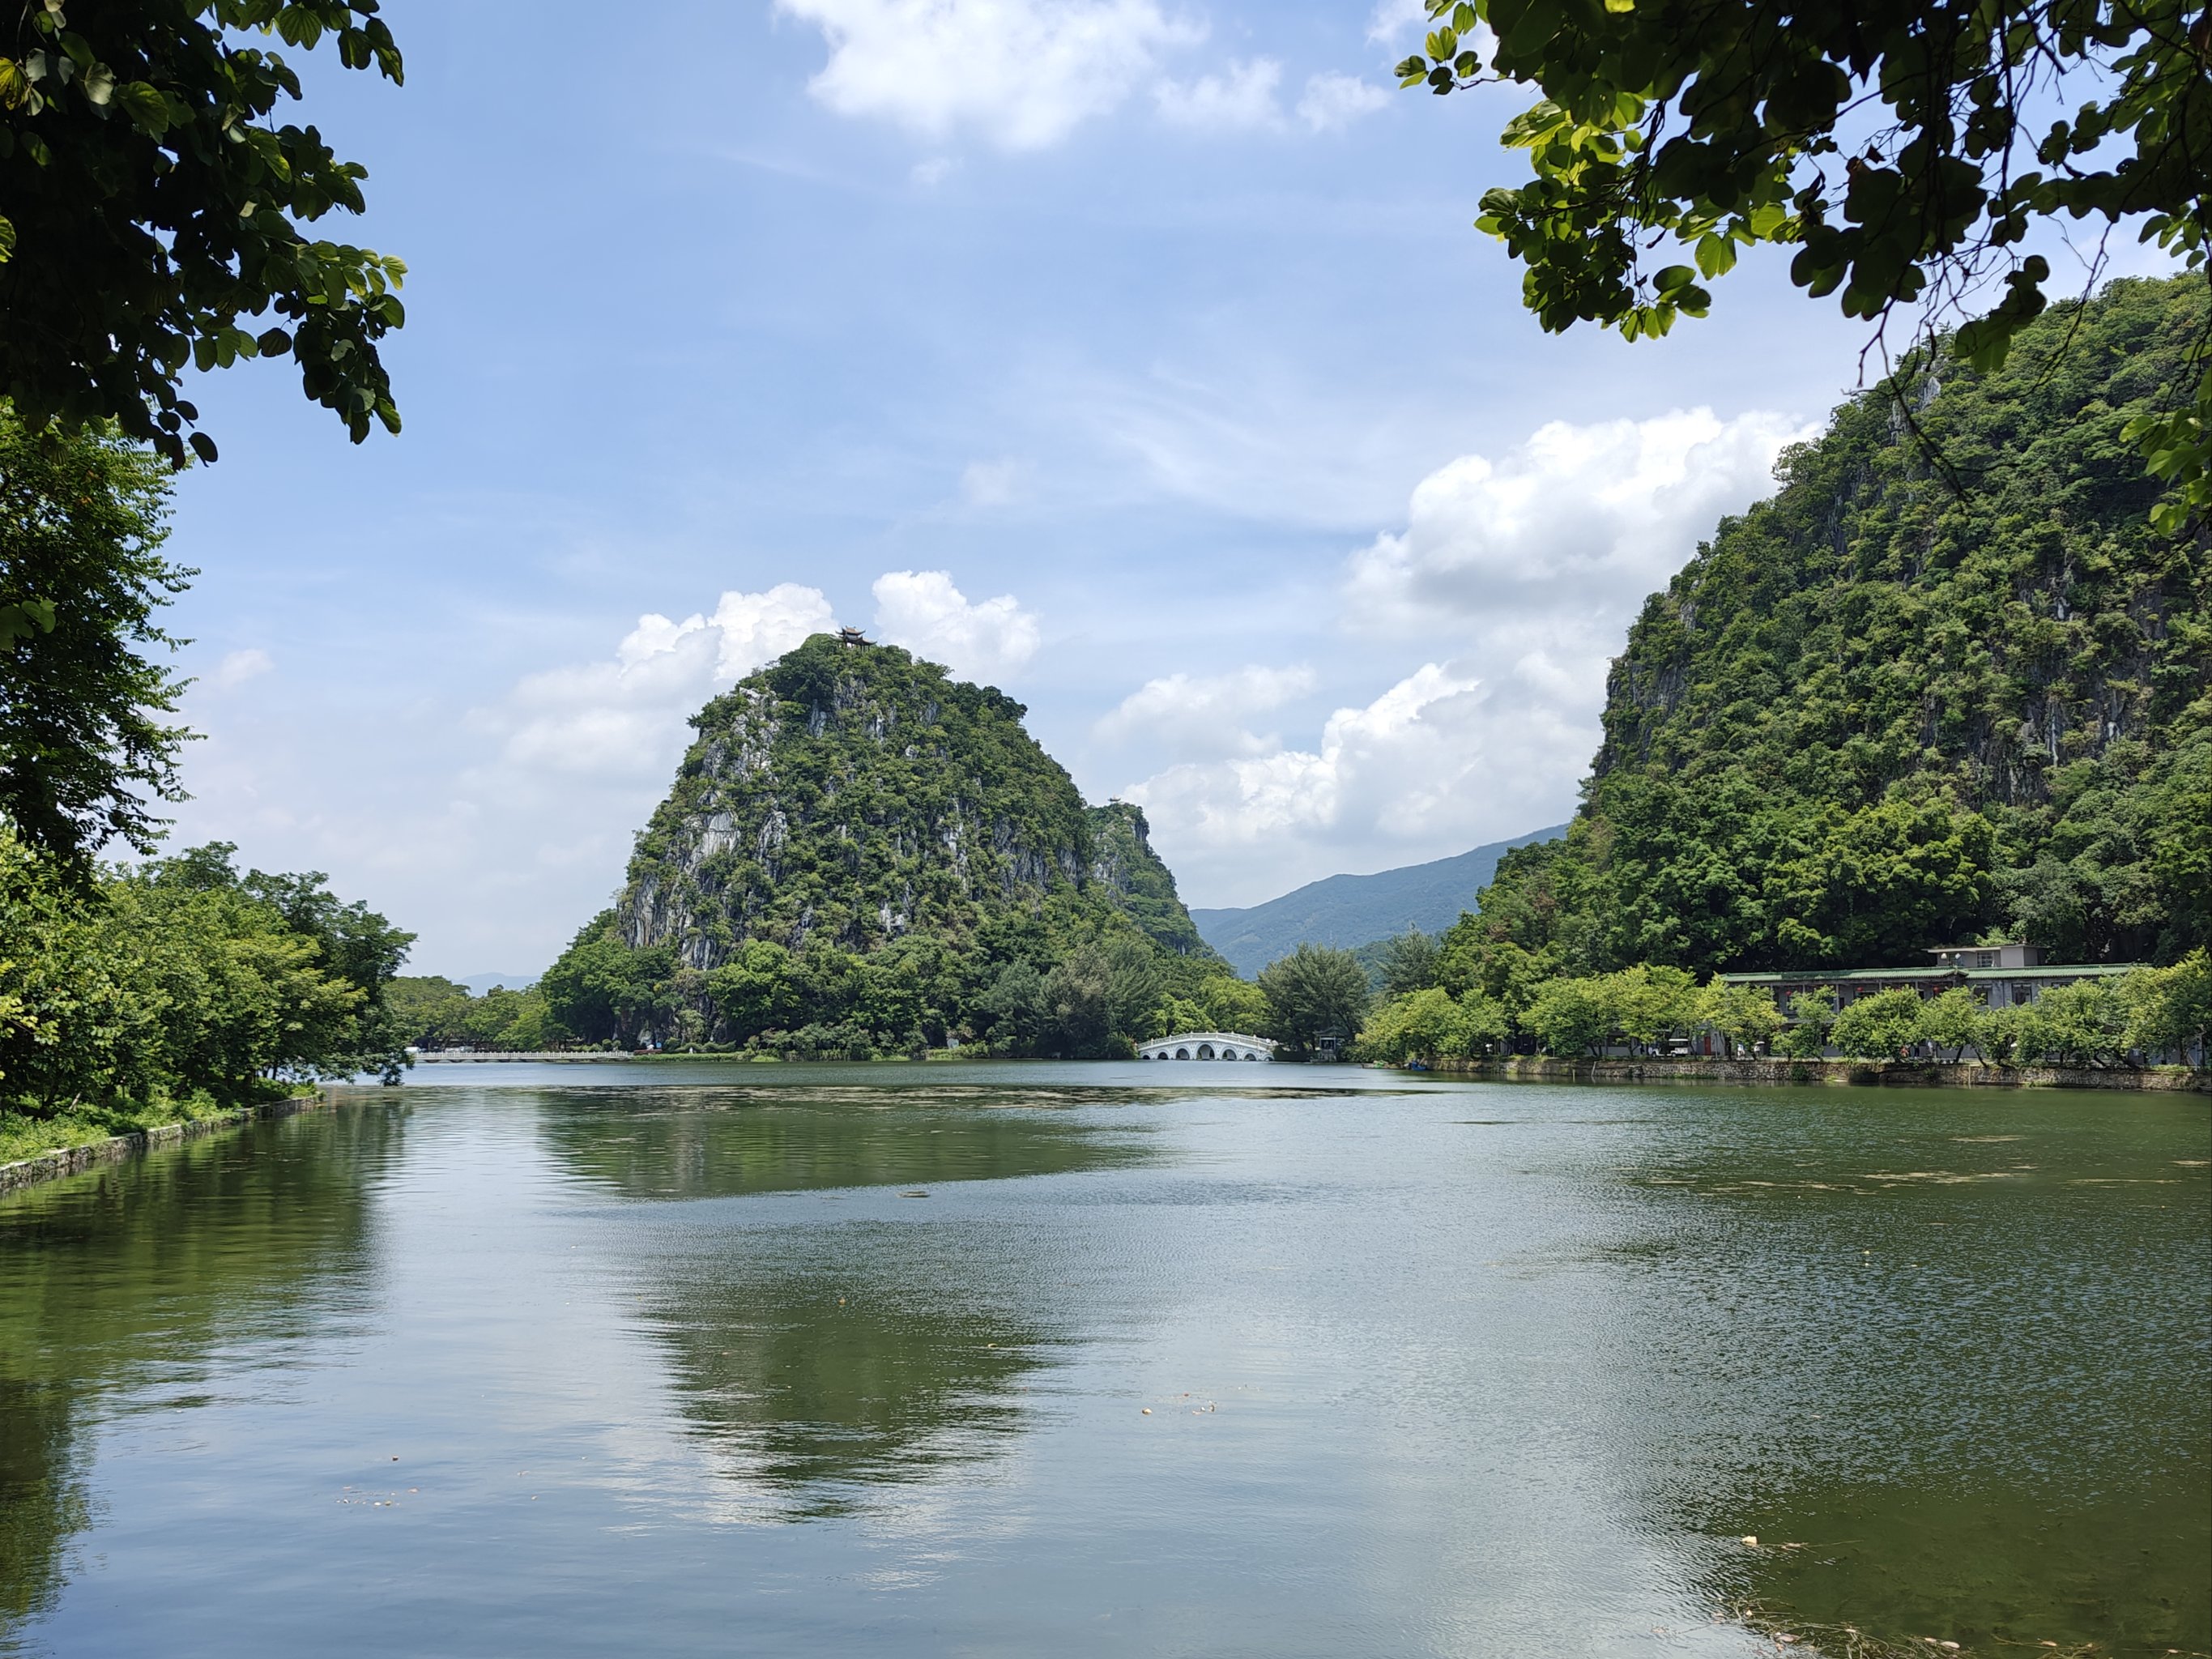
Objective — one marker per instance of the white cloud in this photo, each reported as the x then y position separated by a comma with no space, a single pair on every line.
1578,523
923,610
1241,100
933,171
1333,100
758,627
1187,716
1427,765
1023,73
239,667
625,718
1533,565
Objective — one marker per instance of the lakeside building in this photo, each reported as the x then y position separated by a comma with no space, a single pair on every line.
2006,975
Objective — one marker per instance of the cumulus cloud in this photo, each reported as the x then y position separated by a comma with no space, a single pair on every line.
239,667
1242,100
1021,73
1578,520
1332,101
626,717
923,610
1188,716
1533,564
1427,763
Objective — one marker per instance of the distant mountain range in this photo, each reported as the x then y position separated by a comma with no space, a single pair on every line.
1350,910
479,984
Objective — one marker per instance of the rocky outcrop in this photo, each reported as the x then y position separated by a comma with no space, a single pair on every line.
852,794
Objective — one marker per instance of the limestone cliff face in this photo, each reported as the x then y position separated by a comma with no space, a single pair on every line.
849,793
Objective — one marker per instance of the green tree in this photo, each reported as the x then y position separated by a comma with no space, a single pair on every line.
1952,1019
1013,1013
1423,1024
1812,1018
1232,1005
1879,1026
757,992
1484,1024
84,750
1904,148
2003,1033
2083,1024
177,980
1313,994
1575,1016
605,991
155,207
1744,1015
2170,1009
1410,961
1079,1011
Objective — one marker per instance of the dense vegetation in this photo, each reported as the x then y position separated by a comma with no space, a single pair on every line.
181,983
431,1011
1932,690
84,748
2145,1015
154,202
1904,148
862,855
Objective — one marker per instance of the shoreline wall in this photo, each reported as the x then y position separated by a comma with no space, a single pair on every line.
1894,1073
74,1160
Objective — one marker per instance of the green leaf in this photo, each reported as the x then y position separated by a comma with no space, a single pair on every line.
148,110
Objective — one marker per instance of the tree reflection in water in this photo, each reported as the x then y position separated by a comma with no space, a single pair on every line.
1950,1382
127,1279
819,1356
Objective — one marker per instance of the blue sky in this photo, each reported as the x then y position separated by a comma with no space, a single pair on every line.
1141,359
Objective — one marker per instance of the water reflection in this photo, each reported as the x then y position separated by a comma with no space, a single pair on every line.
817,1355
724,1142
1953,1382
118,1289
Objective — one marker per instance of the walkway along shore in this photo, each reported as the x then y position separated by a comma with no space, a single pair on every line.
74,1160
1862,1073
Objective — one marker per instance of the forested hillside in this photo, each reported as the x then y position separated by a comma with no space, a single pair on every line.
1948,682
860,853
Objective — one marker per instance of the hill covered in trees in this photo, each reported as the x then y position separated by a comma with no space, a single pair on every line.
1949,682
860,853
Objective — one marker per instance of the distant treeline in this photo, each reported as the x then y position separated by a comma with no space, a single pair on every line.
1445,1000
1095,999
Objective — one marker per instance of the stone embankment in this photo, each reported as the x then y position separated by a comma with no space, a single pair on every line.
74,1160
1894,1073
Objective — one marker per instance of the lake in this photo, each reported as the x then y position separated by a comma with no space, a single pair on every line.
1116,1359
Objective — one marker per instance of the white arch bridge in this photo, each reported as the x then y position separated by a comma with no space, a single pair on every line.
1207,1045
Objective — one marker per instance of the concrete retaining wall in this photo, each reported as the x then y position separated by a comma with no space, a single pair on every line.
74,1160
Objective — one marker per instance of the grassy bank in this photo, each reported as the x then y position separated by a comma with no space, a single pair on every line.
23,1136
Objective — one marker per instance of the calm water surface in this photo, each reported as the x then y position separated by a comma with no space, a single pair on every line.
1116,1360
